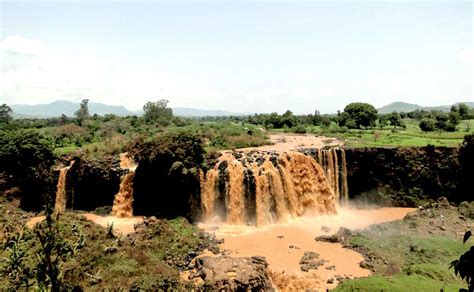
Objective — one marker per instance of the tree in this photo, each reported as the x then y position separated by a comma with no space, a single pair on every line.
363,114
395,119
289,119
158,112
463,110
63,119
325,121
5,112
427,125
453,121
82,113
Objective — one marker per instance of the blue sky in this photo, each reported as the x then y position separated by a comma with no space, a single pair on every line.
238,56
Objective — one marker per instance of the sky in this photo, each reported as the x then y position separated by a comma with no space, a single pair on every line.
260,56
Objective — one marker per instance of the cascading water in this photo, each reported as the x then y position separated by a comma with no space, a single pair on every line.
262,187
61,192
123,202
333,161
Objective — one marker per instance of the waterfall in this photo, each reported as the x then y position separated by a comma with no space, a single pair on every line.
261,187
61,192
123,201
333,161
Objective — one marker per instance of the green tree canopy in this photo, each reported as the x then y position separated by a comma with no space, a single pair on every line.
464,111
82,113
5,112
362,114
158,112
427,125
395,119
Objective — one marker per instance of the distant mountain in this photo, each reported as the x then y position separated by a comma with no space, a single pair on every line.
409,107
194,112
57,108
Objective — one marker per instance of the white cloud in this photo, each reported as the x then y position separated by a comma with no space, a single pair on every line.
24,46
49,77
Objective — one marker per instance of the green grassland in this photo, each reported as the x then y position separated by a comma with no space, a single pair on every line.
393,137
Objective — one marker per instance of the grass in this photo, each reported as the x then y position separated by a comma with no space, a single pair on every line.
390,137
411,254
397,283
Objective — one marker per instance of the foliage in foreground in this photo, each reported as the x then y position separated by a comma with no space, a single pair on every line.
464,266
83,255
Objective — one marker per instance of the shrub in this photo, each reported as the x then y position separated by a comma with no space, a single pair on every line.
427,125
300,129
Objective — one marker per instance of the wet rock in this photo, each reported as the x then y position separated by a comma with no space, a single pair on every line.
339,278
310,260
234,274
365,265
341,236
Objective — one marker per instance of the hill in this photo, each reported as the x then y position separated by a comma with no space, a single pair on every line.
194,112
57,108
408,107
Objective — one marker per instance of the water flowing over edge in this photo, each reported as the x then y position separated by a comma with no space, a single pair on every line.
263,187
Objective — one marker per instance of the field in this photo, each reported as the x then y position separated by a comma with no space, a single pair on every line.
390,137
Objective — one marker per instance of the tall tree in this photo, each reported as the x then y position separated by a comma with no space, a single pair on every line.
158,112
463,111
361,114
82,113
5,112
395,119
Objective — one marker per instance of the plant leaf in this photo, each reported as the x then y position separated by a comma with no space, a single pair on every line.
466,236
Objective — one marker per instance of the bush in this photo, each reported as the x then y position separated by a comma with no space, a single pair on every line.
427,125
300,129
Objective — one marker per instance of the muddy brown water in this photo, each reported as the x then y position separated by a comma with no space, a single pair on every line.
283,245
121,226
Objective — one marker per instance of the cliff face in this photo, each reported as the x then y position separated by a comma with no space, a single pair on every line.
403,176
93,183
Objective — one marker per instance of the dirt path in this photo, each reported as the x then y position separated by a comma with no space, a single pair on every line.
287,141
283,245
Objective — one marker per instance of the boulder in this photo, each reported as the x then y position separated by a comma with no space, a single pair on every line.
226,273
